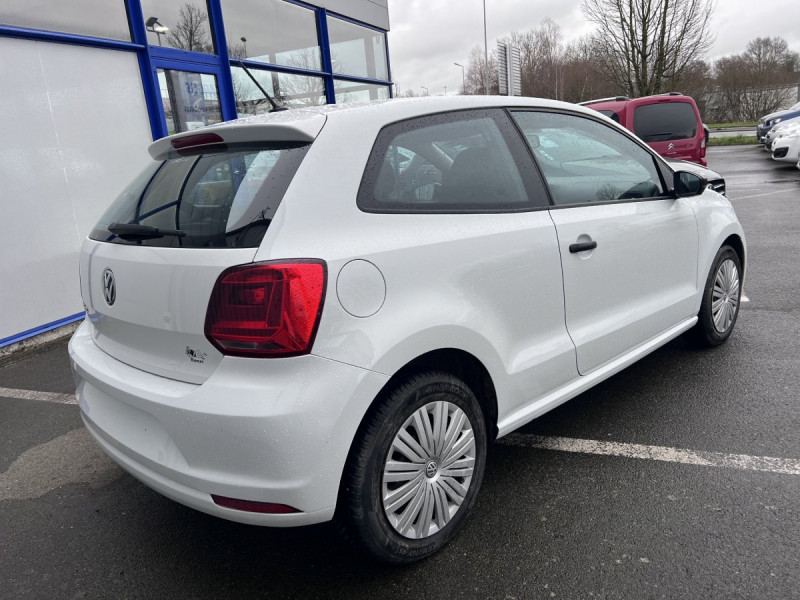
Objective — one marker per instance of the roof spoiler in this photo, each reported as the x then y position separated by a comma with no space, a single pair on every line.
302,130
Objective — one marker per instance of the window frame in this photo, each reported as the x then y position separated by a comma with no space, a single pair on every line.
662,169
151,57
537,193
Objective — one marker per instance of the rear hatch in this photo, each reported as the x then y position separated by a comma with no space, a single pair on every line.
672,128
149,266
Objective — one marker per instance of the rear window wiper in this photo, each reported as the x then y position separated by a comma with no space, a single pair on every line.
135,231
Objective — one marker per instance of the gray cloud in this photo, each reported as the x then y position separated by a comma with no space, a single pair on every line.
428,36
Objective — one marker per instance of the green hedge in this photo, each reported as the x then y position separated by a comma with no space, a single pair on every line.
733,140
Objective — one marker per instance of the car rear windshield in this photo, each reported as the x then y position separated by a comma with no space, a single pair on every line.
219,199
665,121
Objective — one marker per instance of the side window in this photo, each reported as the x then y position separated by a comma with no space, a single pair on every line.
456,162
585,161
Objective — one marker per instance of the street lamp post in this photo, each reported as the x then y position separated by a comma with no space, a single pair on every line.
244,41
463,79
154,26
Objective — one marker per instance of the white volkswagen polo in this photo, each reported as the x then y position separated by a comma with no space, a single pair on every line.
329,313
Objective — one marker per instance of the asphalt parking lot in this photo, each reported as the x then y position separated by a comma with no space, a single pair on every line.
677,478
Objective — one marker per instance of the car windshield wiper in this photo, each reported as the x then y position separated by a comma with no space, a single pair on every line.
135,231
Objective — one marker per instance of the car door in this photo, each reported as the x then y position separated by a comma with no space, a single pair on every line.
628,247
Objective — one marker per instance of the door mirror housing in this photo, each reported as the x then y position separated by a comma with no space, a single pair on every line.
688,184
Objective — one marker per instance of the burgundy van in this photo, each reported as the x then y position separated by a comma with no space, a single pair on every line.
668,123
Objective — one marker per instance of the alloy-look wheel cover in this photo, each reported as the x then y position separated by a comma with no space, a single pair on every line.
428,470
725,296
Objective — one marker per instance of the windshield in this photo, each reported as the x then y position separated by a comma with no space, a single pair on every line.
223,199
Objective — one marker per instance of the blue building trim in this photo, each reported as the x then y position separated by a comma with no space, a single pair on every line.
325,48
68,38
388,65
158,127
227,100
19,337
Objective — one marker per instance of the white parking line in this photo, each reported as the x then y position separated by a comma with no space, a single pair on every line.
794,189
767,464
41,396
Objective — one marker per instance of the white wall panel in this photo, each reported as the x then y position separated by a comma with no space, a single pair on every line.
74,130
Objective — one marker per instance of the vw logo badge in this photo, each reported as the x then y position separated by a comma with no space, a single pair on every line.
431,469
109,287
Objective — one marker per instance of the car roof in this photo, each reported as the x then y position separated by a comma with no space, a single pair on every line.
304,124
617,104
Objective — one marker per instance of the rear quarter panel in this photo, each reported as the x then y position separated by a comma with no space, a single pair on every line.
488,284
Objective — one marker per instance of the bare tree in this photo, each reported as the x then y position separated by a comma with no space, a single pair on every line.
697,81
582,72
649,44
236,50
541,59
476,68
191,31
756,82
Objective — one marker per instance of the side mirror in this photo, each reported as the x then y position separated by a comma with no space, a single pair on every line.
688,184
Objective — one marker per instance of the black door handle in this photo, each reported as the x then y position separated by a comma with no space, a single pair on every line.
582,247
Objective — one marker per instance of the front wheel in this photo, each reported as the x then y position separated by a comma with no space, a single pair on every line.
414,472
721,299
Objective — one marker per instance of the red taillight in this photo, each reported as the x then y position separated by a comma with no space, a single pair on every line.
267,309
254,506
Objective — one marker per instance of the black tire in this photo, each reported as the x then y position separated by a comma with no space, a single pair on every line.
706,332
361,515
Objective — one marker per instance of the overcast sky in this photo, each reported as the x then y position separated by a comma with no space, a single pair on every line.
428,36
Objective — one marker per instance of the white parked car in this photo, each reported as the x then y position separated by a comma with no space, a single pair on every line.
330,313
786,146
777,130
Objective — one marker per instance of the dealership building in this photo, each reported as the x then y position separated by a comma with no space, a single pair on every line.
88,84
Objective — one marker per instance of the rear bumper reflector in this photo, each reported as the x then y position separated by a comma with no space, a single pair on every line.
253,506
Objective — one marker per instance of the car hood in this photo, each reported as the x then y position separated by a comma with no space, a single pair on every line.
778,113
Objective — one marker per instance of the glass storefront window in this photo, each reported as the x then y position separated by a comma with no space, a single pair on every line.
273,32
96,18
191,100
178,24
350,91
292,90
357,50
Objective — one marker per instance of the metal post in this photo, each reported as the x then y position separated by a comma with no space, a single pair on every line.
463,79
485,53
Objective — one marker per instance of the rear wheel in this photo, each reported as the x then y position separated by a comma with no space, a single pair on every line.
414,473
721,299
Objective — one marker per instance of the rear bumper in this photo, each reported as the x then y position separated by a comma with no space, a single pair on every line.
274,431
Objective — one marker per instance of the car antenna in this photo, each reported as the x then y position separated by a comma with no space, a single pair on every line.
275,106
